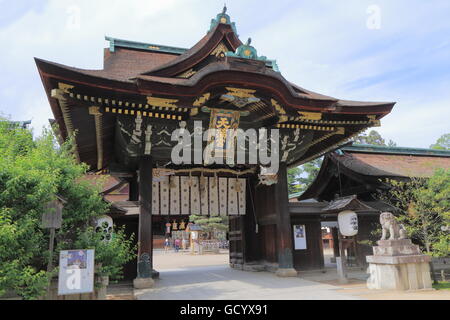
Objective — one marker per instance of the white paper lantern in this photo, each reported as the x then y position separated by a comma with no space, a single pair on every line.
348,223
104,226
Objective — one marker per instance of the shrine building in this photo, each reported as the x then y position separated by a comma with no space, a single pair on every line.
124,116
361,173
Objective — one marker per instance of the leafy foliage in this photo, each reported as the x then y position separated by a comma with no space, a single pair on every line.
294,176
210,224
424,209
300,178
373,138
443,143
32,172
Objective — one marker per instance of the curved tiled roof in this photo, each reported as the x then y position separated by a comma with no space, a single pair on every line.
125,64
388,163
370,162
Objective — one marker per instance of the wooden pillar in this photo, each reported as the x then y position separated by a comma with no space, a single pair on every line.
284,226
145,253
252,240
133,189
335,236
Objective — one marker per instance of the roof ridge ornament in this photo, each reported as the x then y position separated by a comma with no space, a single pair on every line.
247,51
223,18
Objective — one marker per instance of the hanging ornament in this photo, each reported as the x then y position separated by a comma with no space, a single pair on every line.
168,225
202,183
174,225
182,225
171,183
214,181
238,185
104,226
190,182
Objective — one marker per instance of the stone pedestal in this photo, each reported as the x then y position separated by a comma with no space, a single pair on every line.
143,283
286,272
398,265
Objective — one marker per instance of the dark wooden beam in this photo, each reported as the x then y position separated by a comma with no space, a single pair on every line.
145,251
284,226
252,241
133,189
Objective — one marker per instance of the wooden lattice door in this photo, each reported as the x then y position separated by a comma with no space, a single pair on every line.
236,242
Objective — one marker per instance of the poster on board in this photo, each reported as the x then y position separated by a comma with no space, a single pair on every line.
76,272
300,237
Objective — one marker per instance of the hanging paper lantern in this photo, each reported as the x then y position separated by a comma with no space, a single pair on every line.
104,226
348,223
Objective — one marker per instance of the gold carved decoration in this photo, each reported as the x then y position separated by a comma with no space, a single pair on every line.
224,124
240,97
202,100
310,115
95,111
241,93
162,102
220,50
194,112
188,74
278,108
65,87
373,121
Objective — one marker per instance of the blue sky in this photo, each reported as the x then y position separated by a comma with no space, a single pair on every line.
324,46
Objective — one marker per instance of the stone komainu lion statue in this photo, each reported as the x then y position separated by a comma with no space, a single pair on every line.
390,224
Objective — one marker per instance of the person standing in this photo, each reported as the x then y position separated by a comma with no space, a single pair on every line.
177,245
166,245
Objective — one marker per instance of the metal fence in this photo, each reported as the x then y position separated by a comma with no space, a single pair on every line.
213,245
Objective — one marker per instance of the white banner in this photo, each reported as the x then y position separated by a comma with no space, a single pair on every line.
300,237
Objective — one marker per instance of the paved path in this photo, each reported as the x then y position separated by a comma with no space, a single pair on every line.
220,282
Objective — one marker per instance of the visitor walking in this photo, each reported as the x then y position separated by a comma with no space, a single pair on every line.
177,245
166,245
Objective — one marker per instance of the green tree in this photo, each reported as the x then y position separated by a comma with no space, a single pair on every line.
32,172
443,143
294,183
309,172
373,138
423,207
210,225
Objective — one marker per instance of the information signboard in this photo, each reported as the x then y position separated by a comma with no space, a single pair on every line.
300,237
76,272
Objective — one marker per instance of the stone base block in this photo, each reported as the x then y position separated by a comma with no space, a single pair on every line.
254,267
398,259
143,283
155,274
286,272
237,266
396,248
405,276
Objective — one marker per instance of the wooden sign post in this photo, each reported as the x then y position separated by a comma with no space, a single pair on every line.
52,219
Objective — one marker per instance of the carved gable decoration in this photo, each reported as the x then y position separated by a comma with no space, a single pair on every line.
220,51
240,97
